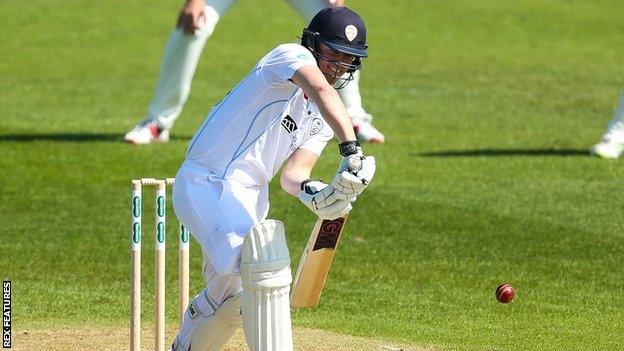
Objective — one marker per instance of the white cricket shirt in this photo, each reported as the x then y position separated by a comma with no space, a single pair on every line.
261,122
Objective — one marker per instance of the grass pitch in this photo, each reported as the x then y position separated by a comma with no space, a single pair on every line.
489,108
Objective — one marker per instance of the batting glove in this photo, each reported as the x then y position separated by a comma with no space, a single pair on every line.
355,172
321,199
351,151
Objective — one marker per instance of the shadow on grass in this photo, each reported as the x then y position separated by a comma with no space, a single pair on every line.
502,153
71,137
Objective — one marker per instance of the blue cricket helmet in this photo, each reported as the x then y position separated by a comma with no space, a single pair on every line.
341,29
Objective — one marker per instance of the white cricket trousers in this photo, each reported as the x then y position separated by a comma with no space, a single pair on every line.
219,214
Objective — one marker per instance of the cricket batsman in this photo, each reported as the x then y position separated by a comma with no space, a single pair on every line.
282,113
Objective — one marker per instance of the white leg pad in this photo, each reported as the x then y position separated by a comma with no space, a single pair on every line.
265,270
206,326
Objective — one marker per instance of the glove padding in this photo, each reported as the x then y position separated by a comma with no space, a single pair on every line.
358,173
322,199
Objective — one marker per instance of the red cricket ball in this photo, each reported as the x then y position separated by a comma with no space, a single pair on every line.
505,293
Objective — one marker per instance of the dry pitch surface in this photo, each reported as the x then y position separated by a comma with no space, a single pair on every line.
118,339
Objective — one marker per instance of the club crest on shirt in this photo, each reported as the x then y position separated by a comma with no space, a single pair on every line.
289,124
316,126
293,143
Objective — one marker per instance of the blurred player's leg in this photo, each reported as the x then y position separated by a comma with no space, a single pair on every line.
265,270
362,121
176,74
612,143
350,94
308,8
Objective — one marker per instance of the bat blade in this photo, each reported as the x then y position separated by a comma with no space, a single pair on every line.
316,261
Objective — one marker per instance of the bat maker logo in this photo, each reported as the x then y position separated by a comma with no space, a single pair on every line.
329,234
289,124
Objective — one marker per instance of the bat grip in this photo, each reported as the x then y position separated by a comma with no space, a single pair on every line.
354,164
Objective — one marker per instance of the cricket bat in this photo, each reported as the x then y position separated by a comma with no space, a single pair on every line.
315,261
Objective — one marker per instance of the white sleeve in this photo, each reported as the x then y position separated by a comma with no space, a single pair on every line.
317,140
282,63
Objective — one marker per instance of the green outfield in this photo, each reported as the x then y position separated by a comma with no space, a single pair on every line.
488,107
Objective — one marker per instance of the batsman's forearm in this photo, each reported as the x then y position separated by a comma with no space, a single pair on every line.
315,85
297,169
334,113
292,186
292,177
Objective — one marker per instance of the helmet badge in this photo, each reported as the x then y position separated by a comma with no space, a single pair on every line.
351,32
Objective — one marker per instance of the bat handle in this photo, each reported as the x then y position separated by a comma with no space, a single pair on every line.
354,164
